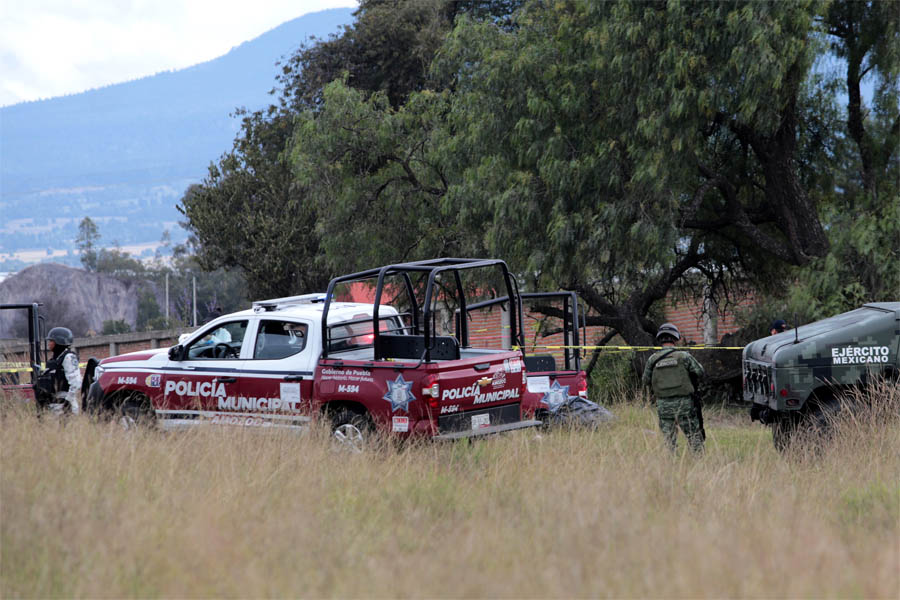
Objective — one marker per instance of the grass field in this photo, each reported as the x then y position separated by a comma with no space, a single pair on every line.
90,510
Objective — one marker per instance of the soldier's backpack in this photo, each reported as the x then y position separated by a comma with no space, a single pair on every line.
670,376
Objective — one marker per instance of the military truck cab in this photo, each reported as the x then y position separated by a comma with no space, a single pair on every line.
796,376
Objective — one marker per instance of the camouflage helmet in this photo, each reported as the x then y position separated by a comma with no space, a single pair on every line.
61,335
668,330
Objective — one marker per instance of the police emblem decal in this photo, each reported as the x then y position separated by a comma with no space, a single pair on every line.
399,394
556,396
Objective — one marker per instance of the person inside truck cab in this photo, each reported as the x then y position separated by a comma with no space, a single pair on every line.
222,342
279,339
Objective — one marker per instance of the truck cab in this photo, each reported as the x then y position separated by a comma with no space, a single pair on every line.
796,376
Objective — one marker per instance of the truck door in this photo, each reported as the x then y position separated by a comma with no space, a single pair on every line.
205,381
277,381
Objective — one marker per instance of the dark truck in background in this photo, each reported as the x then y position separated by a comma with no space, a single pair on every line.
796,378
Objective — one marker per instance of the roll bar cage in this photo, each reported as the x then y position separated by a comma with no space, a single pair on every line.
35,334
572,321
423,316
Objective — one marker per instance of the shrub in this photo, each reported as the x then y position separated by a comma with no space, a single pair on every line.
111,327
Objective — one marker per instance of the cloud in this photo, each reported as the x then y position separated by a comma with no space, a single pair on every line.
55,47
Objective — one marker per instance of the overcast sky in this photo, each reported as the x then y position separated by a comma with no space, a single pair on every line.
54,47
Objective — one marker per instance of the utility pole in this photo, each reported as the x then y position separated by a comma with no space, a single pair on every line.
167,299
195,300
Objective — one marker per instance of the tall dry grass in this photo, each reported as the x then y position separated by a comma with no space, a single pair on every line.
90,510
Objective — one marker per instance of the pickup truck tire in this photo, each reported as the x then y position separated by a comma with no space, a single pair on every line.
136,411
351,430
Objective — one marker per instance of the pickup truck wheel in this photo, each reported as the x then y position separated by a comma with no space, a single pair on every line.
351,430
136,411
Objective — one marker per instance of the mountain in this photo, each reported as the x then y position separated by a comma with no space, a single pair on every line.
125,153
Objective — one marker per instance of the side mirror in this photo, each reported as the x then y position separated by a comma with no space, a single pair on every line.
175,352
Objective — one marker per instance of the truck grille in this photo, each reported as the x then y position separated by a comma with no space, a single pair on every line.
497,415
758,379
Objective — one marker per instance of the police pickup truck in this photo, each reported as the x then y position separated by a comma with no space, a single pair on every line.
370,365
795,377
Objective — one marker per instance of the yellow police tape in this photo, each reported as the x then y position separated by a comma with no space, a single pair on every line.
619,348
13,367
19,367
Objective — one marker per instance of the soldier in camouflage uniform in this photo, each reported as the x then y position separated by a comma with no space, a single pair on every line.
673,376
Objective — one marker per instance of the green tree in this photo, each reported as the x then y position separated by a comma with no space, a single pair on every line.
147,310
609,148
371,171
866,34
248,213
115,326
388,49
88,235
120,264
860,208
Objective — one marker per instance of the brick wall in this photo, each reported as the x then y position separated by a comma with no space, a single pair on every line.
103,346
689,318
487,329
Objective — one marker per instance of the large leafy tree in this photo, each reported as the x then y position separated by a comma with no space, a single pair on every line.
866,35
648,141
375,174
610,148
860,208
622,149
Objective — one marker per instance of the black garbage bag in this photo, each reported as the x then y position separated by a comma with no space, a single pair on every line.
579,412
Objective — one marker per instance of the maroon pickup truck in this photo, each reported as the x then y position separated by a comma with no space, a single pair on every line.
377,364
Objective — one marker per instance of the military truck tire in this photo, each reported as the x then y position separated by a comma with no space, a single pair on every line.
820,414
351,430
784,428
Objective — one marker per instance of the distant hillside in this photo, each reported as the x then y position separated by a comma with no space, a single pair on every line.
72,298
128,151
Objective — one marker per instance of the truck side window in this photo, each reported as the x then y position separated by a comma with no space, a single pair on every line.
223,342
279,339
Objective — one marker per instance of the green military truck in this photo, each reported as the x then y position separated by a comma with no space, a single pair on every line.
795,378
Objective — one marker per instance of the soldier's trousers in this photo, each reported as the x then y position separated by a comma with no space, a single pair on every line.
677,412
